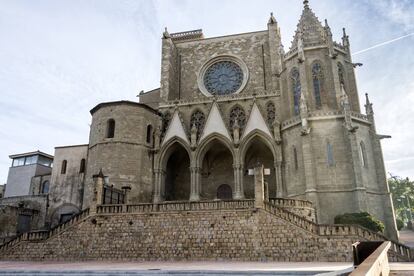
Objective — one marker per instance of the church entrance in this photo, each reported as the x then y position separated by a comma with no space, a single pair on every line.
224,192
259,153
217,168
177,180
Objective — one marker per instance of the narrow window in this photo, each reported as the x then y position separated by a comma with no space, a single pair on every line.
149,133
329,154
110,128
82,166
63,169
317,77
363,154
296,89
295,158
45,187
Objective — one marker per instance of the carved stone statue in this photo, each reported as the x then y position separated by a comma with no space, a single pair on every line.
276,131
194,131
157,137
304,115
347,110
236,132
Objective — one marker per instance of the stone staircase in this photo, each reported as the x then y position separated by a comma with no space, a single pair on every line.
278,208
45,234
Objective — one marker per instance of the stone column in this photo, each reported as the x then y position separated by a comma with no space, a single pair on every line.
98,191
259,189
309,166
238,181
357,166
158,185
195,184
278,177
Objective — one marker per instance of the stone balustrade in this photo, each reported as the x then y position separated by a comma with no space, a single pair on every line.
176,206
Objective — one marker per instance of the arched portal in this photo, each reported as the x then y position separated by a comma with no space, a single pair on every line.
258,152
224,192
177,174
216,168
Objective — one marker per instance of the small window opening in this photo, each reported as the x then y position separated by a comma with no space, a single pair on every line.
329,154
63,169
149,133
110,128
82,166
45,187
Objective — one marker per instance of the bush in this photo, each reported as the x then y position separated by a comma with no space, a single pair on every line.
364,219
400,224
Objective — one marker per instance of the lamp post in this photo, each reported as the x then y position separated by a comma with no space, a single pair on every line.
408,211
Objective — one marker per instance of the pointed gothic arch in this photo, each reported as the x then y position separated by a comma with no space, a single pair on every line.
257,147
238,113
215,157
175,161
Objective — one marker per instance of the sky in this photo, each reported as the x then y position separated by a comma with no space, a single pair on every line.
58,59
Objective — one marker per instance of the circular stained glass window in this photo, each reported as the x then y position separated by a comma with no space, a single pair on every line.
223,78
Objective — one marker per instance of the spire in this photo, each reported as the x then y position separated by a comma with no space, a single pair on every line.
166,34
272,19
312,30
368,106
345,38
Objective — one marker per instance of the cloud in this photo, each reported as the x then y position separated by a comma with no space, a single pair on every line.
61,58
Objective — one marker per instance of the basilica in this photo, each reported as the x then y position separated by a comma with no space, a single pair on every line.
225,106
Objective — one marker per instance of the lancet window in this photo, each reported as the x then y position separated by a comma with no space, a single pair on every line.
237,114
296,89
317,77
271,113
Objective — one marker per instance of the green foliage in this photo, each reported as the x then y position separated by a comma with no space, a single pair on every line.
402,191
364,219
400,224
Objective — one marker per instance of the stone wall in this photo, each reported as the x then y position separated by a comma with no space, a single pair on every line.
11,207
126,159
66,188
245,235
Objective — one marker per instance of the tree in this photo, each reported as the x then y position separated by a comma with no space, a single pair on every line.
402,191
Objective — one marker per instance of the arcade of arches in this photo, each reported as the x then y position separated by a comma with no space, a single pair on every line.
216,170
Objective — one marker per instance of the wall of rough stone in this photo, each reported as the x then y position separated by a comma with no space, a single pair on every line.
11,207
248,47
37,182
126,159
243,235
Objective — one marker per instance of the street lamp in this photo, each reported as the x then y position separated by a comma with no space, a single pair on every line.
409,214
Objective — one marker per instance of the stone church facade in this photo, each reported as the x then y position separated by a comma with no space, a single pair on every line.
298,113
226,105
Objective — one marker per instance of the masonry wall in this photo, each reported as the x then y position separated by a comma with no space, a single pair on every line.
126,159
66,188
244,235
19,178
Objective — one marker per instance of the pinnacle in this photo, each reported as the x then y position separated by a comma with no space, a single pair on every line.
272,19
310,27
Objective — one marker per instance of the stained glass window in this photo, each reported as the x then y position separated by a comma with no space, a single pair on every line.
296,89
223,77
237,113
198,119
317,77
329,154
